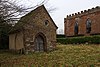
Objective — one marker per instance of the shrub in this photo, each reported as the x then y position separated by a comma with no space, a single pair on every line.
60,36
79,40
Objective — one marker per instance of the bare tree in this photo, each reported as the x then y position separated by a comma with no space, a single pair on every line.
10,11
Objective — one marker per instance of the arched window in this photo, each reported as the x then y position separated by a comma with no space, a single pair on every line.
88,26
76,28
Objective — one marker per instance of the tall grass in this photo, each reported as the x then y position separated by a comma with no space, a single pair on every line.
64,56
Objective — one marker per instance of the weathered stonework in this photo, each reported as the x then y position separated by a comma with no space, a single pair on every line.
81,18
37,25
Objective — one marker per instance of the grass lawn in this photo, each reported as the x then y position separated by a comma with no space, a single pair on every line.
63,56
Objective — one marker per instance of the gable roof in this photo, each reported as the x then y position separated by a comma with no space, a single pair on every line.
49,16
42,6
19,26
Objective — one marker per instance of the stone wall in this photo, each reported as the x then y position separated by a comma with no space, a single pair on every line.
39,21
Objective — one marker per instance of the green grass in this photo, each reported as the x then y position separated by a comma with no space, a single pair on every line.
64,56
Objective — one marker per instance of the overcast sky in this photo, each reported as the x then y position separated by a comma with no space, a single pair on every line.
64,8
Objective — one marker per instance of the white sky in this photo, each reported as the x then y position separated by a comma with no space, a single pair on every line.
64,8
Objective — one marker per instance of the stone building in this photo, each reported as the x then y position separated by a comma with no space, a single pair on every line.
36,31
84,23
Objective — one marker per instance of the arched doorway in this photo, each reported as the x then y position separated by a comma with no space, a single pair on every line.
40,42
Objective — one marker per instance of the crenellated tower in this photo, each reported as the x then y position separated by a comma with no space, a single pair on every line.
81,18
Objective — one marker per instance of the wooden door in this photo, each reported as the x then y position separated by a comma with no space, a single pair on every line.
39,44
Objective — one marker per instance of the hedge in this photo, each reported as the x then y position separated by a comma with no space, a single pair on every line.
80,40
60,36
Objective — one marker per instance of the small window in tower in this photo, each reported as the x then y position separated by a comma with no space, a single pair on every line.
88,26
76,28
46,22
